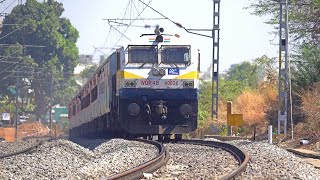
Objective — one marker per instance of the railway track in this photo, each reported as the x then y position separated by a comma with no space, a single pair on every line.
158,161
25,147
137,172
310,157
163,157
241,156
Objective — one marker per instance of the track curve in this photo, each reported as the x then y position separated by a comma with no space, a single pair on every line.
137,172
33,146
239,154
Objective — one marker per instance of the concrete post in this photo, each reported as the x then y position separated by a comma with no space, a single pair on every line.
229,111
270,134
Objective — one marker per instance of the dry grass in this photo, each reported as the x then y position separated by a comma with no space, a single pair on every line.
253,107
311,108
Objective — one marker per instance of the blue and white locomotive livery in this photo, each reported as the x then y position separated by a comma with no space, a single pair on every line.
149,88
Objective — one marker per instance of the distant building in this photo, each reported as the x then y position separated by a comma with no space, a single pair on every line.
85,59
206,75
102,59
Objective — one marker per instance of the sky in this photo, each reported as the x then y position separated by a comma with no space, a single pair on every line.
242,36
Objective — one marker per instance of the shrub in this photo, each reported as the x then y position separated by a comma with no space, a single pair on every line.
253,107
311,108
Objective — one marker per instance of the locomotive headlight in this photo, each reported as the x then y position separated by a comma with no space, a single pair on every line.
188,84
133,109
185,109
130,83
162,72
155,71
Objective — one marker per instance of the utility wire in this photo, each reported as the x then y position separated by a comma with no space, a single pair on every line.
178,24
147,5
136,19
26,45
8,6
11,32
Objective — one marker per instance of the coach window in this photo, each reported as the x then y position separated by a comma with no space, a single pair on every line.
175,54
94,94
74,109
143,54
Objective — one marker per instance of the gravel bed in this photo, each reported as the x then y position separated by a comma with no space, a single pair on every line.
271,162
196,162
62,159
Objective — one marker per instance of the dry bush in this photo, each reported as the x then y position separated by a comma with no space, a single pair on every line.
311,108
253,107
204,128
270,94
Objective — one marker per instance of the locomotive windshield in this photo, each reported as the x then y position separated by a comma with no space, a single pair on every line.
175,54
143,54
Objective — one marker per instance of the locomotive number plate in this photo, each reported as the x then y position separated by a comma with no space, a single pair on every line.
162,83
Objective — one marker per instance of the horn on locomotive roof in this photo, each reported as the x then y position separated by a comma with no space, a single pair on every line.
158,30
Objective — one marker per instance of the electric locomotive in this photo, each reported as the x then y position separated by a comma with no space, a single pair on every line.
149,88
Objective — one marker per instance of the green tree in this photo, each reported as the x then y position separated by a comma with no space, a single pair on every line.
41,24
267,70
230,89
63,96
303,18
204,101
245,72
306,66
87,73
14,64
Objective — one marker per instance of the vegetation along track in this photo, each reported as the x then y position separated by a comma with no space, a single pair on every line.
27,144
152,165
240,155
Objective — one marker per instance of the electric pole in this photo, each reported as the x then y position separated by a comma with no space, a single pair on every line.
17,101
283,67
215,58
50,103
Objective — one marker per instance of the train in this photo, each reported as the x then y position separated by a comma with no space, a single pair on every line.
149,88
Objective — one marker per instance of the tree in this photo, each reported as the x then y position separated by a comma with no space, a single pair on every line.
64,96
14,64
245,72
87,73
303,18
267,71
230,89
306,66
41,24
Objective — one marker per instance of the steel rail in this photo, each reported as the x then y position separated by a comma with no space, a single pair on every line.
239,154
150,166
26,149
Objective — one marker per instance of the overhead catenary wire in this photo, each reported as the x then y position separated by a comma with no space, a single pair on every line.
7,6
23,45
133,21
11,32
178,24
129,19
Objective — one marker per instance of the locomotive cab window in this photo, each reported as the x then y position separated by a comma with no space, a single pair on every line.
175,54
143,54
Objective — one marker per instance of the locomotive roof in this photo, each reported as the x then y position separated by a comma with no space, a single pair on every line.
168,39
